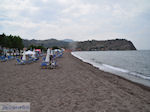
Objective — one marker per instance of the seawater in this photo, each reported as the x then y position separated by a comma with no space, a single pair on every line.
132,65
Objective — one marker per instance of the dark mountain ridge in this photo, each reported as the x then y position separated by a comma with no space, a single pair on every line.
93,45
46,43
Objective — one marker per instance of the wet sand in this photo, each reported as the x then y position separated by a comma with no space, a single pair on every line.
74,86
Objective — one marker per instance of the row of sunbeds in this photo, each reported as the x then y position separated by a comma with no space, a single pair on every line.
22,62
52,63
6,58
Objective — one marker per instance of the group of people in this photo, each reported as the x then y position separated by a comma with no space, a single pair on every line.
50,60
28,57
25,57
9,54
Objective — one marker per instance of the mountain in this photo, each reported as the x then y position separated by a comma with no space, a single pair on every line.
93,45
46,43
68,40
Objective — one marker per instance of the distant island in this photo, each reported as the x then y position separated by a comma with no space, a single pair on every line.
90,45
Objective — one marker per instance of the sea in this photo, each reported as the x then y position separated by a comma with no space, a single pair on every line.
131,65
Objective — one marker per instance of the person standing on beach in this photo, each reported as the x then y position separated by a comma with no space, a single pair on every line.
51,54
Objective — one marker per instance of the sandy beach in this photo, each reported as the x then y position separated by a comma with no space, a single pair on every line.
74,86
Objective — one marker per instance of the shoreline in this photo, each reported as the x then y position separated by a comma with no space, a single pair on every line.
126,74
136,83
73,86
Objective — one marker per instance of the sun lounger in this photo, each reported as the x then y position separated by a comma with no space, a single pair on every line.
53,64
60,55
10,57
43,58
34,59
20,62
3,58
44,65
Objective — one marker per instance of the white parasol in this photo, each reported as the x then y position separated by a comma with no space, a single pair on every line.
47,55
29,52
33,55
24,56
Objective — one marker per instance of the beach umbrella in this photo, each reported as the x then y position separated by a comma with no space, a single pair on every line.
24,56
38,50
47,55
33,55
7,54
29,52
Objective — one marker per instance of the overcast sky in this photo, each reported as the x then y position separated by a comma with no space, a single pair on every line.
77,19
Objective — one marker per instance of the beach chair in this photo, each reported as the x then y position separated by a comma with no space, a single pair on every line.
54,56
36,59
53,64
59,54
10,57
30,60
3,58
44,65
40,55
20,62
43,58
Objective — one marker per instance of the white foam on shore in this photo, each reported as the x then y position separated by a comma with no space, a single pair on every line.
116,68
135,77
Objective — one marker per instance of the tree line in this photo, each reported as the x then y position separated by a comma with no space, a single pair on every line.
11,41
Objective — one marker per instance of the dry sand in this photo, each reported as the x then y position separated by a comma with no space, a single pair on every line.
73,87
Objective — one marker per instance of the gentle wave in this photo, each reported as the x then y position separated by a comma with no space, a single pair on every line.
126,71
116,70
